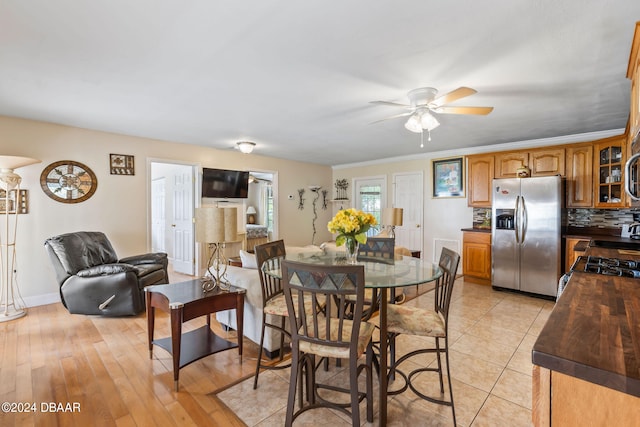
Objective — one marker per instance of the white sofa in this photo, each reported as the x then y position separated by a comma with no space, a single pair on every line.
248,278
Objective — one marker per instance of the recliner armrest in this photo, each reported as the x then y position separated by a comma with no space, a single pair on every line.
151,258
105,270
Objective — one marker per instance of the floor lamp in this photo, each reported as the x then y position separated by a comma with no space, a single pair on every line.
216,226
392,217
11,304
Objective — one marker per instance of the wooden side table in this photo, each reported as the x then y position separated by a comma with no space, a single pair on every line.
236,261
185,301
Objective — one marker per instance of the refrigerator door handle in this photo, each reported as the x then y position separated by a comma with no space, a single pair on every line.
523,213
516,220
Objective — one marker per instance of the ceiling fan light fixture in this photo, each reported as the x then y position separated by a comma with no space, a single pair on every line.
246,147
414,124
428,122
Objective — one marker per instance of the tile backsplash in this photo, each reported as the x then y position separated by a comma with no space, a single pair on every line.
603,218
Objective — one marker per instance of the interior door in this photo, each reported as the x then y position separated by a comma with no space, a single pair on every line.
408,194
182,224
158,199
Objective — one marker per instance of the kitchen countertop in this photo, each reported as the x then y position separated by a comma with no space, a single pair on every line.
478,230
593,332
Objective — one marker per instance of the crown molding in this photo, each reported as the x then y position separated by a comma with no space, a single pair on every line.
516,145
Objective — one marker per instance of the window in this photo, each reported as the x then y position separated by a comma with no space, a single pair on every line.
370,198
268,198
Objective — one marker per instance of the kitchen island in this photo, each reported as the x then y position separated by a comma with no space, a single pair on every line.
587,357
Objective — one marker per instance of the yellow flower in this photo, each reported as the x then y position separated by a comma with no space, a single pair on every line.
351,224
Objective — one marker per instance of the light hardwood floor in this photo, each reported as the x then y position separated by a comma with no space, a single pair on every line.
102,366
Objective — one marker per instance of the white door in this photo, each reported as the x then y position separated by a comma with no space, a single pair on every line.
370,195
158,199
182,224
408,194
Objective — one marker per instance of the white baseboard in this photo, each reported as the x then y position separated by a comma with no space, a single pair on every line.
43,299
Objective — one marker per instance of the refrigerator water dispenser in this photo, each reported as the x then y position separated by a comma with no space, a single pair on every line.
505,219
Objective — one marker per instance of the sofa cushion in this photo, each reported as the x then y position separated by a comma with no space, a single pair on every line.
249,279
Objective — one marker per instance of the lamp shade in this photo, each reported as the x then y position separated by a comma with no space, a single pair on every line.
251,210
9,179
392,216
215,225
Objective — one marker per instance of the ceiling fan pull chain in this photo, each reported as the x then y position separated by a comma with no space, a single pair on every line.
422,139
429,139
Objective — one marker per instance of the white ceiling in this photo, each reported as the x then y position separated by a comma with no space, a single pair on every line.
297,77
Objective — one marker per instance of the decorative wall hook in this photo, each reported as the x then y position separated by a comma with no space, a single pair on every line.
301,199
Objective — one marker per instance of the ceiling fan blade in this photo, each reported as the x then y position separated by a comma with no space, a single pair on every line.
393,117
463,110
454,95
392,104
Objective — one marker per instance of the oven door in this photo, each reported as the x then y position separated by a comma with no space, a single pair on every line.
631,184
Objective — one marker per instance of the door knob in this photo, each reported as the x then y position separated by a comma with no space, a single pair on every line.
417,225
173,225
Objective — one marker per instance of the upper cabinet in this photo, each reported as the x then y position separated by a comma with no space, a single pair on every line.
580,176
610,156
633,73
480,170
507,163
547,162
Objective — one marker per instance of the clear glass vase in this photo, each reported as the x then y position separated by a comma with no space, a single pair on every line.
351,248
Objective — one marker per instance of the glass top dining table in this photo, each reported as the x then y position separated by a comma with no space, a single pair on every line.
380,275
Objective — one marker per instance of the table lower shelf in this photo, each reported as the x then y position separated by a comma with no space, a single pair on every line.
196,344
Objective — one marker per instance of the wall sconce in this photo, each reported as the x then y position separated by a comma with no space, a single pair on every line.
216,226
245,147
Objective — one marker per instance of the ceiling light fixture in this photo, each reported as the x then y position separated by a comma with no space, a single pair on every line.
420,121
245,147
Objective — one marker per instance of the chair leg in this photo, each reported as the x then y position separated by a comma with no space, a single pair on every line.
282,319
446,355
369,379
259,364
353,385
293,382
440,364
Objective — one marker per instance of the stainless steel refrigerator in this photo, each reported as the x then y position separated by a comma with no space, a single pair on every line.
526,240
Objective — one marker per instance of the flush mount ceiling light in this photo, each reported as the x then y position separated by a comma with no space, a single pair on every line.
245,147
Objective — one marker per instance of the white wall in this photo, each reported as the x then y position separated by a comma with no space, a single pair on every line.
443,218
119,207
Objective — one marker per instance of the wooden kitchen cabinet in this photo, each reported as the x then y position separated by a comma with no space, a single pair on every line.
480,170
476,256
507,163
633,73
579,189
608,171
563,400
547,162
570,254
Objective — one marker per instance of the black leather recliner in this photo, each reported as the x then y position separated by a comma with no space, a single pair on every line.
93,281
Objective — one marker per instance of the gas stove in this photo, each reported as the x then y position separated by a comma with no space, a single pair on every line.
607,266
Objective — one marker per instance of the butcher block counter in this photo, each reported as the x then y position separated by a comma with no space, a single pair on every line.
587,356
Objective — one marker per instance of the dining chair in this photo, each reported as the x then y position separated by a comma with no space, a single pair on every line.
328,334
434,323
269,256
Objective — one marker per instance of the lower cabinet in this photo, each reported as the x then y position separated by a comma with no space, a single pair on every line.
476,256
563,400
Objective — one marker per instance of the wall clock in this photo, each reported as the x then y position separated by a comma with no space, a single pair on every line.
67,181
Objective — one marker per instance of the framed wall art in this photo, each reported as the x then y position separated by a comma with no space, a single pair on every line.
448,179
121,164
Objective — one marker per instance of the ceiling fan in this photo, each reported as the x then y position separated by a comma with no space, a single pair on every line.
423,102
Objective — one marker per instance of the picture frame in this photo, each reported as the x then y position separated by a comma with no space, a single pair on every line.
121,164
448,177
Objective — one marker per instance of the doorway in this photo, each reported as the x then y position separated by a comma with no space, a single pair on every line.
408,194
370,195
172,193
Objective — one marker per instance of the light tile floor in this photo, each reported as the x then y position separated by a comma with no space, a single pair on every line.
491,336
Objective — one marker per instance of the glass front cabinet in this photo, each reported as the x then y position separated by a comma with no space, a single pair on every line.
608,173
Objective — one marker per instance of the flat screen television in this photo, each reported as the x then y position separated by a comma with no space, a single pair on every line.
222,183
